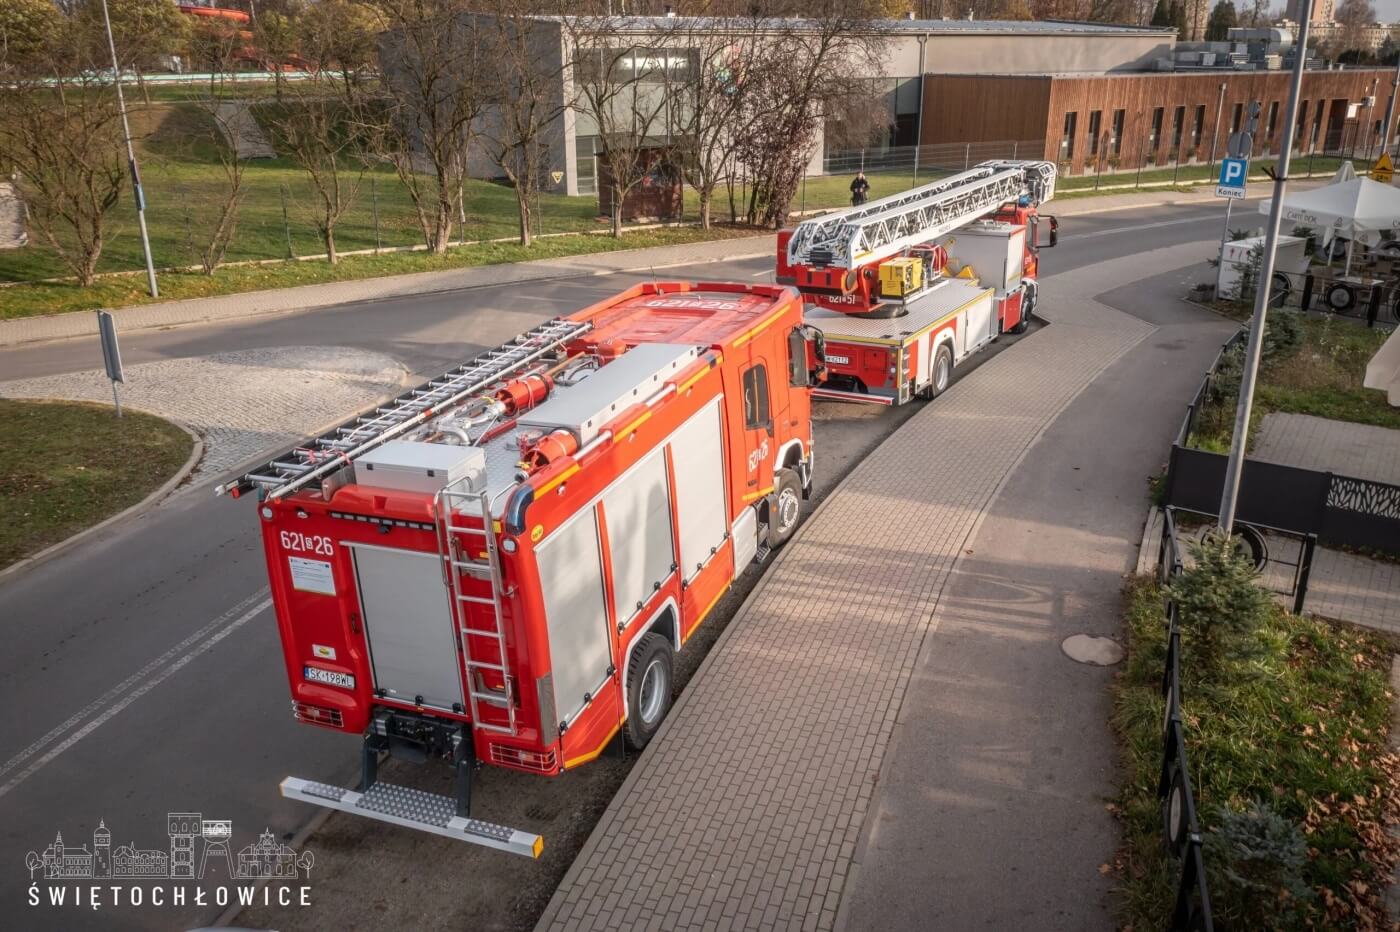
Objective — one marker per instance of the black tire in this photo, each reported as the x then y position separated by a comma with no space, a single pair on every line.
649,686
1027,308
1340,297
785,508
942,373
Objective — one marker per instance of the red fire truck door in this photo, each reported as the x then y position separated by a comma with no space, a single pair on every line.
756,382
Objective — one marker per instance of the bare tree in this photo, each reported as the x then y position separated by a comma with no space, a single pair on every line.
435,72
61,137
143,31
816,70
215,46
709,99
526,92
622,89
1354,16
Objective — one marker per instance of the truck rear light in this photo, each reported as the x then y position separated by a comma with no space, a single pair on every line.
541,762
317,715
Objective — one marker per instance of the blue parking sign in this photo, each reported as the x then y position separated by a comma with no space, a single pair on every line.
1233,173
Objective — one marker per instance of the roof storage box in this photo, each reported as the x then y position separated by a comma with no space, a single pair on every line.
409,466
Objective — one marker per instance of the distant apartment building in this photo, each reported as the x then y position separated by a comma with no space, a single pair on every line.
1311,11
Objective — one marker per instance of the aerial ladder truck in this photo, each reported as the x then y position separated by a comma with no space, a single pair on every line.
901,290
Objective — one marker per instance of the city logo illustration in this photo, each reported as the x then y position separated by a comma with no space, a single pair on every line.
199,848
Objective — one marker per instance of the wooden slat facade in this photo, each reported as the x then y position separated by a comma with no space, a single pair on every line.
988,108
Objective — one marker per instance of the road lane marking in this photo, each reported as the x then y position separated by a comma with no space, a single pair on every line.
1117,231
263,601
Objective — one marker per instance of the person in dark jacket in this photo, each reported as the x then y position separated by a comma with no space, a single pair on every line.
859,189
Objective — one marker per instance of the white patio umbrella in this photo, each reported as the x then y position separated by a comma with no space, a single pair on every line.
1361,210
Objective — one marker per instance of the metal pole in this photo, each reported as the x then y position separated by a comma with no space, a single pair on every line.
1225,231
919,121
136,190
1388,129
286,223
116,399
1230,495
374,199
1215,137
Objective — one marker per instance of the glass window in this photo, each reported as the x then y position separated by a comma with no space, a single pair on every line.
1198,126
1116,140
1178,127
756,413
1273,121
1067,140
1095,128
1157,116
1237,118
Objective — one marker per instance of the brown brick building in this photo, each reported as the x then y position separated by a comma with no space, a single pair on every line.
1125,119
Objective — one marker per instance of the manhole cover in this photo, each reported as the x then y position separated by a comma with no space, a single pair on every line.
1084,648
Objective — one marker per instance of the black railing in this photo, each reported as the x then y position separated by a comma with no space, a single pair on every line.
1181,827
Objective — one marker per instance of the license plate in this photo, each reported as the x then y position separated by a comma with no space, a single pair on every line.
838,360
328,677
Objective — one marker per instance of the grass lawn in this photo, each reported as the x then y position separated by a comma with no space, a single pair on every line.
1302,729
1320,375
124,290
65,466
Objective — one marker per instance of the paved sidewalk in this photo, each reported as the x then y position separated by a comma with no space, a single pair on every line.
745,811
241,129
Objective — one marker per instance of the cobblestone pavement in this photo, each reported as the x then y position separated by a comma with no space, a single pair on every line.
1358,450
745,810
242,403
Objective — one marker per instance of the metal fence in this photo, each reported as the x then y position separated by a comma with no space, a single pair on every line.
929,159
1181,827
1360,296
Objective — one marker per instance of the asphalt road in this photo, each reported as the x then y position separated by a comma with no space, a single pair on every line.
142,673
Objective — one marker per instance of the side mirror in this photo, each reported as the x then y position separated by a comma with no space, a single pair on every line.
798,374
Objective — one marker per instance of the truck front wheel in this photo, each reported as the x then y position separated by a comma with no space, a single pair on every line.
648,689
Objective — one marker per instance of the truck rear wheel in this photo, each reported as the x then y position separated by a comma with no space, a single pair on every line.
785,509
942,374
1027,308
649,683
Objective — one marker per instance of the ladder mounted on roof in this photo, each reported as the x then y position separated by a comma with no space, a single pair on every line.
873,231
323,455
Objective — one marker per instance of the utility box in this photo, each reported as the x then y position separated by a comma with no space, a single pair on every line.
1291,259
901,277
409,466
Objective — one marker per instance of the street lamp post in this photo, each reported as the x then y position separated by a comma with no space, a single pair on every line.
1229,498
1388,132
1215,137
136,190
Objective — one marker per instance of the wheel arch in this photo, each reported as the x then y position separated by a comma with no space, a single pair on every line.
666,621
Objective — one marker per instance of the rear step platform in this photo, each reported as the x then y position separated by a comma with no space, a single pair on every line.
417,809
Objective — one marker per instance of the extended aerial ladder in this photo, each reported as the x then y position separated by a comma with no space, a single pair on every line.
835,258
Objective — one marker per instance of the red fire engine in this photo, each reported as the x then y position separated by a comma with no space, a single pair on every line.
499,565
903,289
